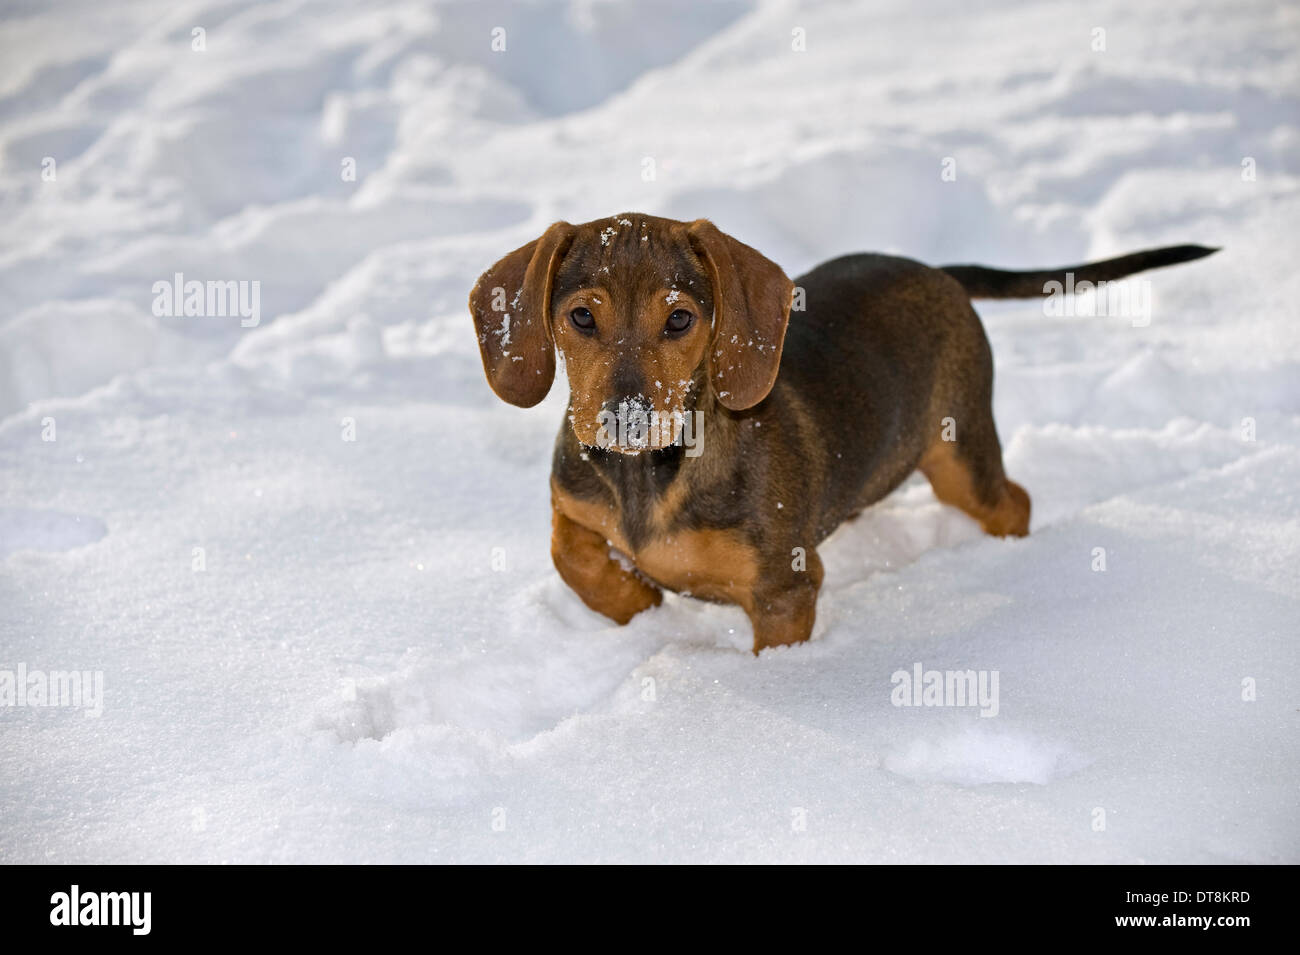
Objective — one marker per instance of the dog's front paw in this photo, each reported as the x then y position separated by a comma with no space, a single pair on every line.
606,584
616,593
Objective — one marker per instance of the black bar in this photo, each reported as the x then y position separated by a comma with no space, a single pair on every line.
335,904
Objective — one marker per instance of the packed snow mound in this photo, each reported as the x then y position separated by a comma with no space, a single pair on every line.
308,550
23,529
974,756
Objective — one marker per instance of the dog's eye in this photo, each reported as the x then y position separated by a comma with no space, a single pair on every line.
678,322
583,320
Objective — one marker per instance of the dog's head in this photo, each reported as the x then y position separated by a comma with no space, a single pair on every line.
648,314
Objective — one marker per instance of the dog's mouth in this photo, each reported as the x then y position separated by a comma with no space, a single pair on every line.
633,425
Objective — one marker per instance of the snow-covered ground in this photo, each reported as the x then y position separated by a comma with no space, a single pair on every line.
321,649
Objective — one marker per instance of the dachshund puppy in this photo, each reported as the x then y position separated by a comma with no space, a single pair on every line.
724,420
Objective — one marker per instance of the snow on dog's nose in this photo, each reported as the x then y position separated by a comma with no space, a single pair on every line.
626,423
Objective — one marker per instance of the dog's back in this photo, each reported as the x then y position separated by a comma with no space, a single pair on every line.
876,334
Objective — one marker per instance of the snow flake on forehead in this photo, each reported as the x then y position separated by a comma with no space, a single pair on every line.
606,234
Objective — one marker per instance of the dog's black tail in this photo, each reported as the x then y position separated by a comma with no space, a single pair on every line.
981,282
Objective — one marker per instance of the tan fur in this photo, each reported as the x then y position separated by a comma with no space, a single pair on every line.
667,365
1003,510
715,565
582,558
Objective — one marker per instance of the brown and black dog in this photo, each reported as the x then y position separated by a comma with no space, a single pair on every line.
883,366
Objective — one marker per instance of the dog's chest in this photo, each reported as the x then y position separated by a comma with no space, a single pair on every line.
708,563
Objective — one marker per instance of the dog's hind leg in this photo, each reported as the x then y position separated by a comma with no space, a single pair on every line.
966,472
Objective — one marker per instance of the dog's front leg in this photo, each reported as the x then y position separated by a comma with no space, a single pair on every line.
783,606
582,558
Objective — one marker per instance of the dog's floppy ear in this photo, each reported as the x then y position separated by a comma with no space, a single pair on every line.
751,307
511,305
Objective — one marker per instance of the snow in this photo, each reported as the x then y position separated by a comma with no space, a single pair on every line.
311,557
